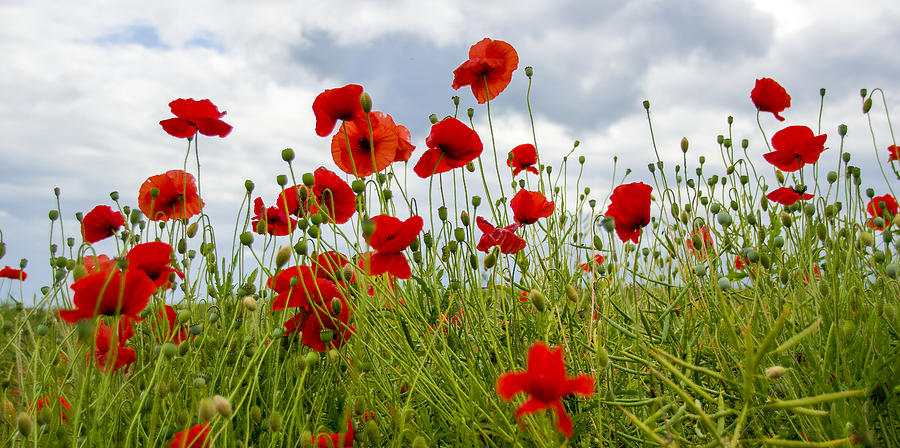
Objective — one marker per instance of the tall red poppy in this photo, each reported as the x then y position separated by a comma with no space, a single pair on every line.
529,206
630,209
546,383
329,264
795,146
451,144
100,223
103,346
322,325
893,153
110,293
523,158
337,104
884,207
15,274
788,196
597,260
194,437
368,152
177,198
306,290
332,196
278,222
390,238
490,64
193,116
154,259
768,96
405,148
505,237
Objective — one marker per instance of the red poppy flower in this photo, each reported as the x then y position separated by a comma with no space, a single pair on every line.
194,116
769,96
741,262
523,158
490,60
405,149
787,196
390,238
505,237
100,223
278,222
893,152
64,407
305,291
154,258
451,144
370,152
884,207
15,274
169,317
337,104
630,208
195,437
795,146
323,325
177,197
96,263
103,345
110,293
336,440
529,206
706,242
546,383
596,261
333,196
329,264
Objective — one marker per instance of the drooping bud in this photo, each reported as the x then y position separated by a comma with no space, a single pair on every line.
223,406
867,105
571,293
538,299
283,256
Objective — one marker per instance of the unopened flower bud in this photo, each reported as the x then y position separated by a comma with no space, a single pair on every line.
206,410
775,372
433,118
365,101
222,405
538,299
249,303
571,293
419,442
283,256
476,201
287,154
867,105
255,414
646,104
247,238
779,176
842,130
442,213
24,424
490,260
275,421
368,228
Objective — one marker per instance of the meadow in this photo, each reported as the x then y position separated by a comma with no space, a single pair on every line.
750,301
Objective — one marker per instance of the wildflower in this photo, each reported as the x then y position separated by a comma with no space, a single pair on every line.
15,274
529,206
505,237
100,223
893,153
337,440
405,147
768,96
194,437
305,291
788,196
276,218
488,70
168,316
177,196
630,209
451,144
877,208
390,238
322,325
110,293
546,383
154,259
795,146
193,116
523,158
329,265
332,196
741,262
64,407
597,260
103,345
337,104
368,152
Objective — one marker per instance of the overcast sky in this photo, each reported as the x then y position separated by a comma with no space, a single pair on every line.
84,85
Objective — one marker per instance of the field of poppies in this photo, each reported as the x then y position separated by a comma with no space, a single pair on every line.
752,305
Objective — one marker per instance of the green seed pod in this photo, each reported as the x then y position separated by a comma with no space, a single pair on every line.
724,218
848,329
312,358
53,215
866,239
700,270
878,256
846,157
784,276
313,232
460,234
247,238
538,300
213,317
646,104
281,180
786,219
428,239
476,201
602,356
301,248
24,424
809,209
442,213
724,284
891,270
184,316
169,350
473,261
878,222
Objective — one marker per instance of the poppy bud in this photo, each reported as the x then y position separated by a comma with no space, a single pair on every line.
720,139
571,293
442,213
646,104
283,256
842,130
169,350
470,112
867,105
313,232
848,329
700,270
724,218
249,303
222,406
775,372
368,227
745,143
24,424
419,442
608,224
255,414
726,142
365,101
779,176
490,260
247,238
275,421
476,201
538,300
206,410
427,239
724,284
184,316
464,218
53,215
308,179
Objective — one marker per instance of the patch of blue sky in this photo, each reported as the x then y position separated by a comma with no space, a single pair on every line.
140,34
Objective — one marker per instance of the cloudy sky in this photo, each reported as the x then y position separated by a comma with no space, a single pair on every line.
84,85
